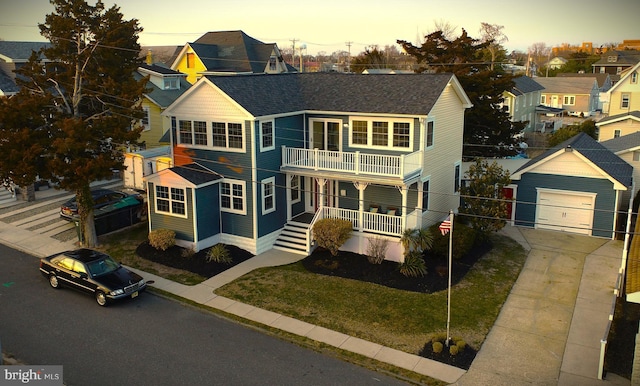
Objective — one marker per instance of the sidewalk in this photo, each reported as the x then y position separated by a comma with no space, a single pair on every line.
548,331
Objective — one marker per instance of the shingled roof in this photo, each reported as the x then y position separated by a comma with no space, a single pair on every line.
595,152
525,85
624,143
196,173
399,94
12,51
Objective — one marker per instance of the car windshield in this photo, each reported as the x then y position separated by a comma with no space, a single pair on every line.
102,266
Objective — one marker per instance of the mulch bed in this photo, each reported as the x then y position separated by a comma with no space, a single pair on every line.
462,359
197,263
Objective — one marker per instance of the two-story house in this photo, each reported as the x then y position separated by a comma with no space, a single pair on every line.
229,52
624,107
260,158
604,84
14,55
521,101
615,61
577,96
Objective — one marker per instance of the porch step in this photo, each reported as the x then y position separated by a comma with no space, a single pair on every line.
293,238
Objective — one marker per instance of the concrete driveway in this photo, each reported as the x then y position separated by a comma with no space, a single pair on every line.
549,329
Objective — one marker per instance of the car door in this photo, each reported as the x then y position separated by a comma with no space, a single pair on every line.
81,278
63,267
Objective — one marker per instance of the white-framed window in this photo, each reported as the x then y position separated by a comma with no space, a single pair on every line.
273,61
634,77
636,156
170,201
429,134
569,100
543,99
396,134
171,83
267,136
227,135
295,188
456,177
618,70
616,133
232,196
193,133
146,119
625,101
425,193
268,195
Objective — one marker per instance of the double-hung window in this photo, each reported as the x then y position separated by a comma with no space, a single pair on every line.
295,188
146,119
359,132
456,177
200,133
569,100
389,134
227,135
425,195
170,201
193,133
232,196
186,134
429,135
380,134
266,134
401,132
624,102
268,195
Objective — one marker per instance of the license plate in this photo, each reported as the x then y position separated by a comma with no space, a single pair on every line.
133,295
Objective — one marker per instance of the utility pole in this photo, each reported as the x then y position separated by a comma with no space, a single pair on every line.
349,57
293,52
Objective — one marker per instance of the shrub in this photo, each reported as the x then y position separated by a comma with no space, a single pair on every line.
332,233
461,344
453,349
162,239
439,337
413,265
188,252
464,238
437,347
377,250
219,254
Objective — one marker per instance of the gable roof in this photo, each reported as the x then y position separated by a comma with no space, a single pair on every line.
627,74
525,85
615,167
623,57
7,84
161,54
196,173
232,51
623,144
12,51
601,78
633,115
399,94
162,98
568,85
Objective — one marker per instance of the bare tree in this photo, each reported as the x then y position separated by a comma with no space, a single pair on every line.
538,53
493,34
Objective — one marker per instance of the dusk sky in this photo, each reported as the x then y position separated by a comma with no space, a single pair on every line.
328,25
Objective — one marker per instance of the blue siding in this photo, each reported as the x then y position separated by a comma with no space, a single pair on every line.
208,204
182,226
604,205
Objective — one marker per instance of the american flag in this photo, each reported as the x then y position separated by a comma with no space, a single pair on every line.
445,227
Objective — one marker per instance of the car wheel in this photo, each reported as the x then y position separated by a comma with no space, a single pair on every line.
53,281
101,298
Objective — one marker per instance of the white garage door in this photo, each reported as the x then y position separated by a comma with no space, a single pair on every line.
565,211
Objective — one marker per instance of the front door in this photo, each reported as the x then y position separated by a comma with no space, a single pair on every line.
325,135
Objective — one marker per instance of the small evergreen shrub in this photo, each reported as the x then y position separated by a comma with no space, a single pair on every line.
377,250
162,239
454,349
413,265
332,233
219,253
188,252
464,238
437,347
461,344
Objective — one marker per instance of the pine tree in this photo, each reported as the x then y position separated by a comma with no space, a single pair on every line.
78,108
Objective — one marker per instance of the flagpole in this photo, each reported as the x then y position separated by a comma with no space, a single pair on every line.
449,286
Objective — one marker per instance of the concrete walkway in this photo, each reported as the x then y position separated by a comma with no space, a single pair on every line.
548,331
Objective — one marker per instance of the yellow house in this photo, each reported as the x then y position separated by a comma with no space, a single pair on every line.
624,107
229,52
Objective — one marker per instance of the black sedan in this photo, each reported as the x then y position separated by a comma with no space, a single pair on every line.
92,272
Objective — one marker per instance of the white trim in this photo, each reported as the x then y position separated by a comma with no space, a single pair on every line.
457,164
390,133
170,200
299,178
271,181
421,204
147,112
273,135
426,133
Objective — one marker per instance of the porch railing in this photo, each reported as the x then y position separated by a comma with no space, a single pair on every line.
371,222
352,162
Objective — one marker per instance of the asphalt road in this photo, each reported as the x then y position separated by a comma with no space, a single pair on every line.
148,340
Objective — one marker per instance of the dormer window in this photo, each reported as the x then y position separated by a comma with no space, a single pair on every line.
612,59
171,83
634,77
273,63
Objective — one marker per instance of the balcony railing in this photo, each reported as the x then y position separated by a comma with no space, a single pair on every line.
352,162
371,222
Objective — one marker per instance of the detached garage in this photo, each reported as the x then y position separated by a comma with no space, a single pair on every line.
574,187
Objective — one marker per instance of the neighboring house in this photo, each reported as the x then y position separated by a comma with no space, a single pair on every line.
272,154
143,163
229,52
628,148
604,84
624,106
574,187
14,55
521,101
615,61
578,96
162,55
556,63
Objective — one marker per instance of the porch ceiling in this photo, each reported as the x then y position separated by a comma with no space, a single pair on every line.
351,177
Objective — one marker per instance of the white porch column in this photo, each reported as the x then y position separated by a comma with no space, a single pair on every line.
288,178
321,183
361,186
403,192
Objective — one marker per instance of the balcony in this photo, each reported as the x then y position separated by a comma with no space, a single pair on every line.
400,166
